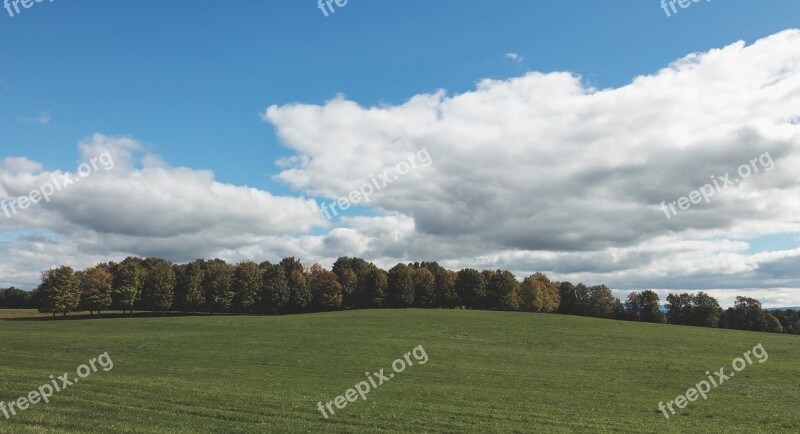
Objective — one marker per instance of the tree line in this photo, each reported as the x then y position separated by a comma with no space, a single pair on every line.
702,310
214,286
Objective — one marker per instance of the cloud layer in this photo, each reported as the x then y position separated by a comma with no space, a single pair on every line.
534,173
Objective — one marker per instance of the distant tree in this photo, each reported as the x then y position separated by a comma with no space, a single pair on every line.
60,291
373,286
487,276
746,314
471,286
275,296
299,293
424,288
538,294
583,296
247,284
400,287
789,320
633,307
502,293
773,325
218,285
189,293
445,280
291,264
618,310
15,298
602,303
680,308
348,279
158,291
96,285
325,289
128,279
568,294
705,311
644,306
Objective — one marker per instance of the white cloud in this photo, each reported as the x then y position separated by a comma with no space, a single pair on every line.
142,206
542,166
533,173
513,56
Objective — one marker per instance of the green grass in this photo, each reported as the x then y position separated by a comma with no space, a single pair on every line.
487,372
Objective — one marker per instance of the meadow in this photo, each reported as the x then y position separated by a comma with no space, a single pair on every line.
487,372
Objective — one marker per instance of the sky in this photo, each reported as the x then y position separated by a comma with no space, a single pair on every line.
539,136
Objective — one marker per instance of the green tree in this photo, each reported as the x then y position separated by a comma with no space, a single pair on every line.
680,308
705,311
569,298
325,289
471,286
773,325
299,293
644,306
602,303
373,286
15,298
128,278
446,295
158,291
348,278
60,291
502,293
96,285
746,314
189,293
218,285
400,286
275,297
538,294
247,284
424,288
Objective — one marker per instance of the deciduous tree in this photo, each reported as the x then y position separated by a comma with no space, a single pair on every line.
96,286
247,283
60,291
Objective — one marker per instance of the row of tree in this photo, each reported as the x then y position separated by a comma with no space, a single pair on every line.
15,298
702,310
215,286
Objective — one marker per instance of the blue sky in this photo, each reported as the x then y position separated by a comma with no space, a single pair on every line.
191,82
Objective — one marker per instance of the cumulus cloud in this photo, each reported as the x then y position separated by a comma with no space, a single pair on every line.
533,173
140,206
570,177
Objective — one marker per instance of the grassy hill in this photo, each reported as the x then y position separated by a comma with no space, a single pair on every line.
487,372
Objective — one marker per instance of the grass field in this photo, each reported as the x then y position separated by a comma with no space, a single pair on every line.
487,372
